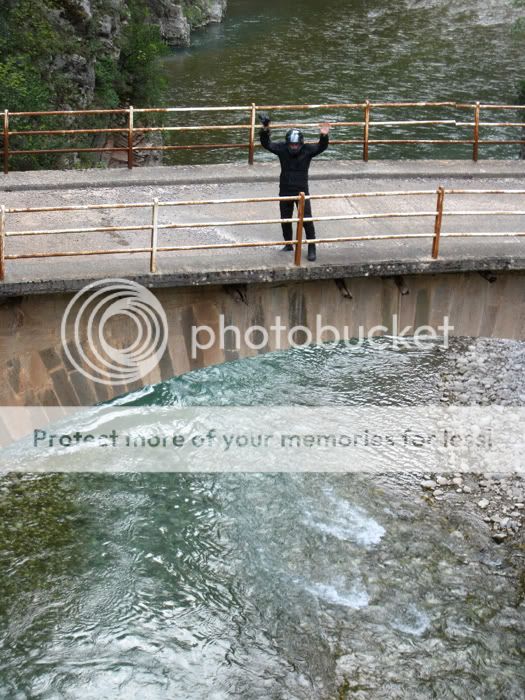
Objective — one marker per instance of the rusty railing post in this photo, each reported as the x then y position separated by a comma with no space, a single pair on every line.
366,130
438,221
299,232
154,235
6,141
130,137
475,147
2,242
251,149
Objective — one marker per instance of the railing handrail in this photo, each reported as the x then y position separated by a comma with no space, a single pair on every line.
368,106
247,200
240,108
154,227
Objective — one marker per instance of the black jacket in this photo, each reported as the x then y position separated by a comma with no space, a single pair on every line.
294,168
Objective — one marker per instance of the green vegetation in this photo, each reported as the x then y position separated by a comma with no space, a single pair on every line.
195,12
53,55
142,81
38,36
27,44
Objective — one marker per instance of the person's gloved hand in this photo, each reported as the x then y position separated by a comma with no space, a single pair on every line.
264,118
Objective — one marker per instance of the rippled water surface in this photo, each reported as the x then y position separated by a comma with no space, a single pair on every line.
284,52
258,586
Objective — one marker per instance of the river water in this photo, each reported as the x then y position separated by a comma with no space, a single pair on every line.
280,586
264,586
284,52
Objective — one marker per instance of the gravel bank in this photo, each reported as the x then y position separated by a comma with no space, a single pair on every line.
483,373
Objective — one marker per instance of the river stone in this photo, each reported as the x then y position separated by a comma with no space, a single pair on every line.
483,503
499,537
428,484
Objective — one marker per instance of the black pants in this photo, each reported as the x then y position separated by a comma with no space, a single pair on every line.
287,213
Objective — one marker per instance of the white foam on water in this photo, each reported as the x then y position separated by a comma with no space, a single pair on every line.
347,522
356,598
411,621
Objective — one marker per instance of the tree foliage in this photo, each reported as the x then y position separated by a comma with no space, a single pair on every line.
53,56
143,82
36,34
27,42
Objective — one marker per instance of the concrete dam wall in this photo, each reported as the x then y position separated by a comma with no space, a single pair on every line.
35,369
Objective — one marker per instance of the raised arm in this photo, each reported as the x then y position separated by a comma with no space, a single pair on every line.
322,144
266,141
264,135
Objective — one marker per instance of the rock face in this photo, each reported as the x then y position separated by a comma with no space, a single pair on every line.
105,19
74,19
88,52
176,19
81,72
174,26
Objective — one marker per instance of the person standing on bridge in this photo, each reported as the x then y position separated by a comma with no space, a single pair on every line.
295,156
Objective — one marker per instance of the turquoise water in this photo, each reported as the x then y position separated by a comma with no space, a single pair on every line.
257,586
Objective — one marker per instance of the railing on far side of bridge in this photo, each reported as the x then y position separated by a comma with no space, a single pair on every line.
129,129
155,229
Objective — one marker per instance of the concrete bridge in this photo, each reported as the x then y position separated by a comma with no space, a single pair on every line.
478,282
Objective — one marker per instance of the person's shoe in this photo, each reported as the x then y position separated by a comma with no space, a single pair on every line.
287,247
311,252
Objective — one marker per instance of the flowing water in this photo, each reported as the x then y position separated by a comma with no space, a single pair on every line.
285,52
263,586
277,586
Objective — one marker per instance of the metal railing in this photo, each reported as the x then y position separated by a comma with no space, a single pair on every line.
131,130
154,228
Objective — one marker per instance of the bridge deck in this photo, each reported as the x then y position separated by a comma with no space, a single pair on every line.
358,258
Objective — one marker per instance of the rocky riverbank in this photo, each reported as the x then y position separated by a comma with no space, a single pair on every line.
177,20
88,52
499,500
484,373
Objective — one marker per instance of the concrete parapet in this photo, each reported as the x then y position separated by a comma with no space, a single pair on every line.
165,176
